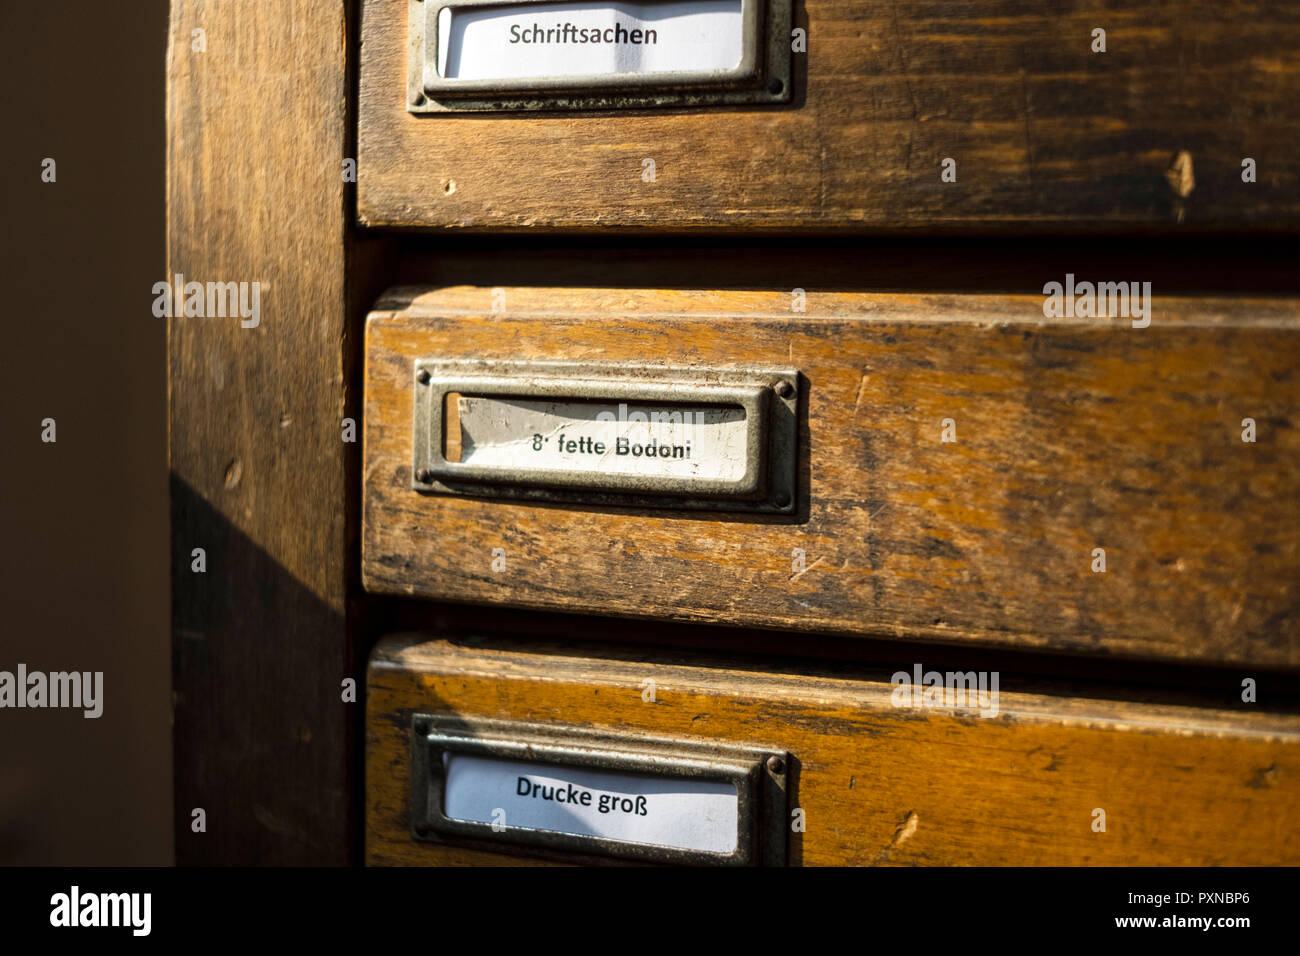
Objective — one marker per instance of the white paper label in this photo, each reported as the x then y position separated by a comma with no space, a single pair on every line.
679,441
589,39
663,811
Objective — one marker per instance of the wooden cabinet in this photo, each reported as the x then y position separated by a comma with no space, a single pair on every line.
1097,503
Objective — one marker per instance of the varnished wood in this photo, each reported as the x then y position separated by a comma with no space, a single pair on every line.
1071,435
878,784
257,132
1045,133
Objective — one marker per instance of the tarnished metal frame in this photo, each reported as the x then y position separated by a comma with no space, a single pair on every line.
771,432
760,775
435,86
763,75
436,381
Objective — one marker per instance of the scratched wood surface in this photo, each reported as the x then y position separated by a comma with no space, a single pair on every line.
263,743
1071,435
1046,134
878,784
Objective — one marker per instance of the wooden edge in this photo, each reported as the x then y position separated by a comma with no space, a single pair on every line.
825,307
502,659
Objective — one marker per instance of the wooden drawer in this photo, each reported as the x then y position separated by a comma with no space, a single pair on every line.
877,783
1071,435
1043,131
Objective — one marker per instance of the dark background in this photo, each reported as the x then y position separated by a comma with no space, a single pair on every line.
84,543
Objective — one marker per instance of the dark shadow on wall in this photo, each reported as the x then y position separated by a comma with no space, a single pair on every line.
83,519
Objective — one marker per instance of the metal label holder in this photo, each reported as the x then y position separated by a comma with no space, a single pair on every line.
762,76
760,775
769,398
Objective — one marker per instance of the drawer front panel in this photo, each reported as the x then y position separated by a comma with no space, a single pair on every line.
876,784
951,116
966,471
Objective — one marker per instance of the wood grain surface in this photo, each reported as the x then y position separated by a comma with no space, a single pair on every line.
1071,435
1045,133
263,743
878,784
